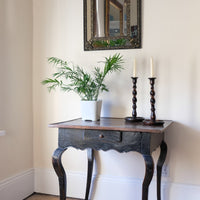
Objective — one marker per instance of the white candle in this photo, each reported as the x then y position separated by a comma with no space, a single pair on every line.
151,67
134,67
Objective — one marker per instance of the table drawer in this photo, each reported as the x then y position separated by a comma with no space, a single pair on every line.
104,136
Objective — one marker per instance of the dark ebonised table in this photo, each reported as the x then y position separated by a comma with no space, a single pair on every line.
106,134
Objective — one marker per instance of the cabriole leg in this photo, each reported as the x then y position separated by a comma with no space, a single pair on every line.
90,155
148,176
161,160
57,164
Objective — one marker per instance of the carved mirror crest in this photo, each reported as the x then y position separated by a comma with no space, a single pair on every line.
112,24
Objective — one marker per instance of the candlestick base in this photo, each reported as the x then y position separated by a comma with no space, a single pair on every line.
153,123
134,119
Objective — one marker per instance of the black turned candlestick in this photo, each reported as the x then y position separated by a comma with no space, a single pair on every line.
153,121
134,117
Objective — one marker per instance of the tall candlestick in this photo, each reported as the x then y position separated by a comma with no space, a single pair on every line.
151,67
134,117
134,67
153,121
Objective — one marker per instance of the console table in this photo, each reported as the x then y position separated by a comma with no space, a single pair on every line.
106,134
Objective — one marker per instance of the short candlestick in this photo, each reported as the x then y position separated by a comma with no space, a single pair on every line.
153,121
134,117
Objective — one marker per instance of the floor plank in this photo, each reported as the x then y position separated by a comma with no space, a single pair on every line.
46,197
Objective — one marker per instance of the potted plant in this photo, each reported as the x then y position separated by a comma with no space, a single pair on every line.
88,86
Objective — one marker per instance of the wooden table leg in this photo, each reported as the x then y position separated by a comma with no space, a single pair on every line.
161,160
90,155
148,175
57,164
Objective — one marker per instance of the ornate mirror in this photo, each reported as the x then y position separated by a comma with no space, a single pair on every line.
112,24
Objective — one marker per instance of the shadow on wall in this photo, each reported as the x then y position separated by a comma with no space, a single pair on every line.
183,160
109,108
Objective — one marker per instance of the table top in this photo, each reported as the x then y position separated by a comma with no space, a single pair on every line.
118,124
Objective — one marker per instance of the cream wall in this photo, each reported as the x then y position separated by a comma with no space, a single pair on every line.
171,31
16,147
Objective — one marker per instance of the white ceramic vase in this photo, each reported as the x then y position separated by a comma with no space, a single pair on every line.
91,110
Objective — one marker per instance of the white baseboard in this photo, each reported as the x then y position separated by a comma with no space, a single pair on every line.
17,187
108,187
22,185
46,181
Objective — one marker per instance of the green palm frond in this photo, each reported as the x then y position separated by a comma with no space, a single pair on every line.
113,63
74,78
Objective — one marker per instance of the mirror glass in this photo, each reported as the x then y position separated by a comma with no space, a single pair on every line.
112,24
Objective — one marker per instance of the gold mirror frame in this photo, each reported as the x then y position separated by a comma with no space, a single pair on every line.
107,42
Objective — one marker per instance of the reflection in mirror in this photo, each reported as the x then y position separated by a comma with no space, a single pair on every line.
115,18
112,24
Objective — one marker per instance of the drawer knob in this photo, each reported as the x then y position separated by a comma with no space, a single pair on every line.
101,136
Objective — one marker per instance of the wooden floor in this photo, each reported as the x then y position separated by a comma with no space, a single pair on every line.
45,197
